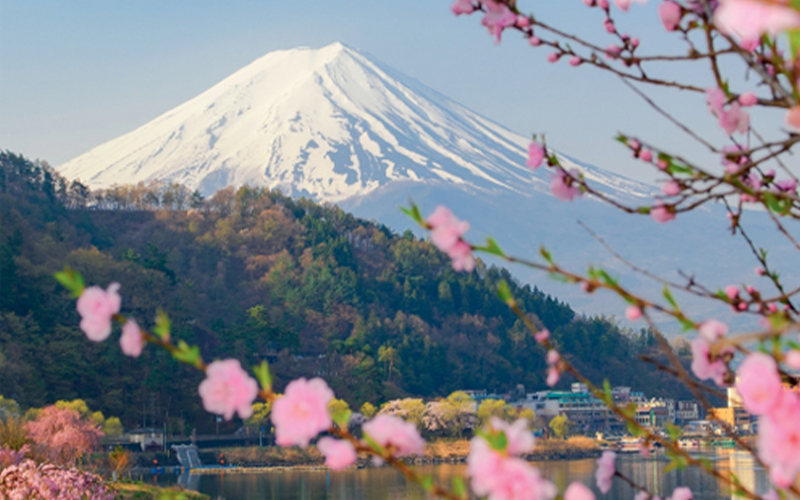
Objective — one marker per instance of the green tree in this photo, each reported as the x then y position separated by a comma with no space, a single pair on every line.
459,412
494,408
560,425
113,427
368,409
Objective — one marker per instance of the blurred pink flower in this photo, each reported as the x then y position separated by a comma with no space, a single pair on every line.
131,342
518,436
702,364
633,313
302,412
792,119
388,430
497,18
605,471
779,439
97,307
749,19
446,234
578,491
748,99
462,7
563,185
339,454
661,213
626,4
535,155
227,389
681,493
759,383
669,13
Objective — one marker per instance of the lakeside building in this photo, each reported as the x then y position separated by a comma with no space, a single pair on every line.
590,415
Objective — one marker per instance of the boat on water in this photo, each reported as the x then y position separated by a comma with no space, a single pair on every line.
689,443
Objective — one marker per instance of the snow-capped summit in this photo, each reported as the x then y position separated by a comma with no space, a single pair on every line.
330,124
335,125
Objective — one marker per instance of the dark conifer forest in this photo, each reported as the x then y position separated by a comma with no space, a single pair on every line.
252,274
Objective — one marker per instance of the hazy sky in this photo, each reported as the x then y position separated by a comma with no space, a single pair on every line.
74,74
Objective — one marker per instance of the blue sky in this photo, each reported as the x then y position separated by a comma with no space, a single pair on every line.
76,74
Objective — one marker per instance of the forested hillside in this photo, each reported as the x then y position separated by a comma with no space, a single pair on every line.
254,274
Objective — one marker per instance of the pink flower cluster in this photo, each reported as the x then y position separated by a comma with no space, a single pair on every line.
228,389
9,456
48,482
497,16
731,119
61,435
301,414
749,19
704,365
97,308
501,474
446,235
763,394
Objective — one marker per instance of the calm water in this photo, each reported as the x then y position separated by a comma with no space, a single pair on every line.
386,484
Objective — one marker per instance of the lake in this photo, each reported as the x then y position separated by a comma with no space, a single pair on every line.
387,484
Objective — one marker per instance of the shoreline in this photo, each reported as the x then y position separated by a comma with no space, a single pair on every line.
253,459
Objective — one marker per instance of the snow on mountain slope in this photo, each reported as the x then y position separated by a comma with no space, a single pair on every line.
329,124
337,126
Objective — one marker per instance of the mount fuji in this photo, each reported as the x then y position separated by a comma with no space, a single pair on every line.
335,125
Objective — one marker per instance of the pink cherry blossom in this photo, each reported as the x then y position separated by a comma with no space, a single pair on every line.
681,493
758,383
388,430
462,7
669,13
446,233
735,119
131,342
748,99
749,19
605,471
662,213
778,439
702,365
732,291
646,155
578,491
792,119
626,4
792,360
713,329
564,187
613,51
497,18
518,435
483,467
227,389
575,61
553,372
535,41
671,188
302,412
97,308
633,313
553,57
535,155
339,454
542,335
